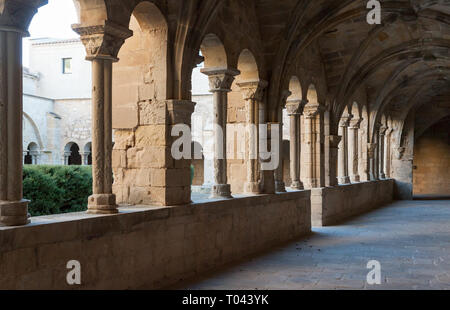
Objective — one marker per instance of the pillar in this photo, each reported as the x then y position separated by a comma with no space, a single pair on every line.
371,148
295,109
333,159
102,44
343,174
253,95
314,166
220,81
387,154
85,156
353,149
280,187
382,134
13,208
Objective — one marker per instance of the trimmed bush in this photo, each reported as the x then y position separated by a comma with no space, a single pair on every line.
57,189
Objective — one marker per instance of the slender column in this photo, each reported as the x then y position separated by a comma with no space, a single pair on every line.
295,109
382,136
353,150
220,81
371,148
343,150
102,44
252,94
13,208
334,149
85,156
280,187
312,116
387,157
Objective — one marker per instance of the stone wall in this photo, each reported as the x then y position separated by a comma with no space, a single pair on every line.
431,172
331,205
145,247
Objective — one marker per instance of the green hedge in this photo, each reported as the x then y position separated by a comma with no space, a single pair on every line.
56,189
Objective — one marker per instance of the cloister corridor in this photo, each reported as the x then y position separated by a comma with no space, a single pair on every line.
411,240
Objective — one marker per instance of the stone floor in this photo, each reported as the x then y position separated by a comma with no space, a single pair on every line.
410,239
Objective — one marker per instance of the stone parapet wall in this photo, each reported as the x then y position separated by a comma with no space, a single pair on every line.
148,247
331,205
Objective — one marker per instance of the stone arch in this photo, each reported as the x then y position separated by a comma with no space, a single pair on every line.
72,154
248,66
36,131
91,12
32,151
311,94
141,77
295,88
214,52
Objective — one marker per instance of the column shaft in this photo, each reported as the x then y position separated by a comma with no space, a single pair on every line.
294,151
343,156
102,201
13,208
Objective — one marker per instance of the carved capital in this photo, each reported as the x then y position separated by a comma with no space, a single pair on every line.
253,90
16,15
220,79
103,41
355,123
345,120
383,130
295,106
311,110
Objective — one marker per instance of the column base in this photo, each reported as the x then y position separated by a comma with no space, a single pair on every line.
221,191
102,204
344,180
297,185
14,213
280,187
355,178
383,176
253,188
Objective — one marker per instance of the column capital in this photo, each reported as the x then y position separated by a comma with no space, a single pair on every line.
311,110
295,106
345,120
383,130
253,90
220,79
102,41
355,123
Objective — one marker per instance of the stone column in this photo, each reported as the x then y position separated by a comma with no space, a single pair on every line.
343,151
371,148
387,152
280,187
220,81
295,109
13,208
65,158
334,149
382,133
85,156
102,44
268,185
353,149
310,116
252,94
